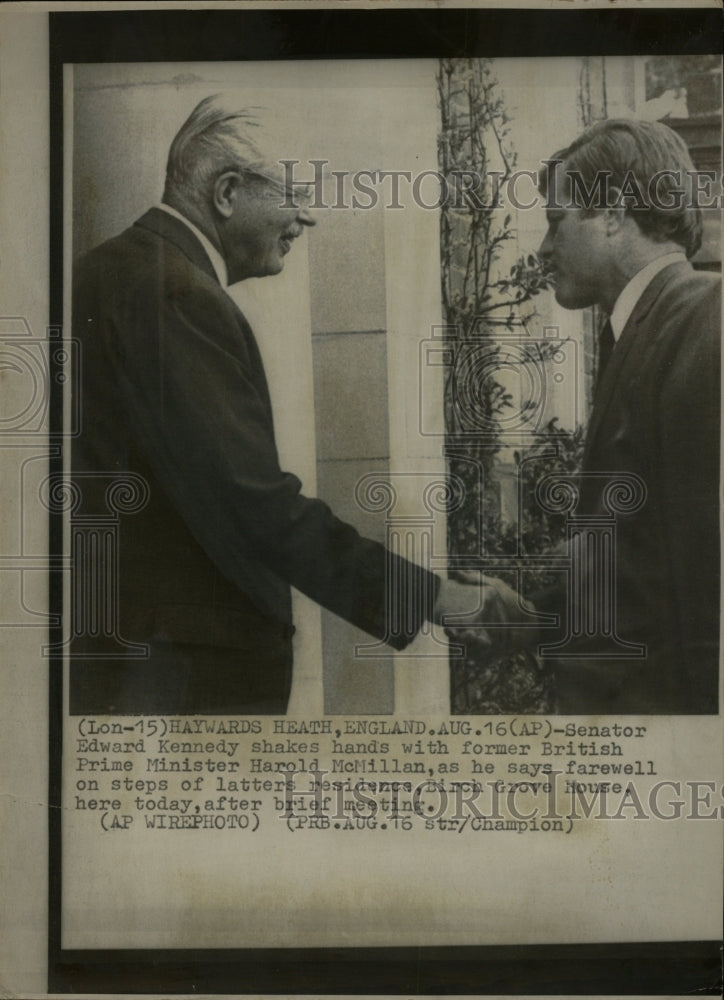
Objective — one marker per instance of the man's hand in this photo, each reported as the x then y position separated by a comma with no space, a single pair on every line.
485,612
460,609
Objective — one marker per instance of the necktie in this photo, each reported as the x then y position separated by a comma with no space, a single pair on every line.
606,344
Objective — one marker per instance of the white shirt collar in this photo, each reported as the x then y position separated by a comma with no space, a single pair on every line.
217,261
633,291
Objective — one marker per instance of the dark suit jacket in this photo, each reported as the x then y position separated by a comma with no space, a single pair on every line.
173,388
656,414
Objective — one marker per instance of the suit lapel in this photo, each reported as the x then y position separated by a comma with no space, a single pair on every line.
606,390
176,232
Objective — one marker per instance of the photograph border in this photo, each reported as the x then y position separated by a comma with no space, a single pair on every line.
332,33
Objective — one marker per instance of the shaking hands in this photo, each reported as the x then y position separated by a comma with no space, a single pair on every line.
484,612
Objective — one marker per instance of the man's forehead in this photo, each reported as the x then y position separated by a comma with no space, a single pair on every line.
559,180
276,140
569,189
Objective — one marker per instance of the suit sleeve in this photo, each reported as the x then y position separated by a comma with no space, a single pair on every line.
195,391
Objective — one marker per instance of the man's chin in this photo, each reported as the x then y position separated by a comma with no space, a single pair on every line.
275,263
269,268
568,299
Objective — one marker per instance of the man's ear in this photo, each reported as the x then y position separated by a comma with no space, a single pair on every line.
615,213
227,188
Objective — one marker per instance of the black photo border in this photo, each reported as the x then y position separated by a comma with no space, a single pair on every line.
334,33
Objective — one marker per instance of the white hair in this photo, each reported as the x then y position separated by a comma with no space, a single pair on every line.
220,135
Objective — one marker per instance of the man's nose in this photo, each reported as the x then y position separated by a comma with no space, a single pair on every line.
306,217
544,251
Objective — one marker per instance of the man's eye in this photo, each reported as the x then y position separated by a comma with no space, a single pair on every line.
298,196
303,194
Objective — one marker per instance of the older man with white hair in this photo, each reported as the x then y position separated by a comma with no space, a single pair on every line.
173,389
